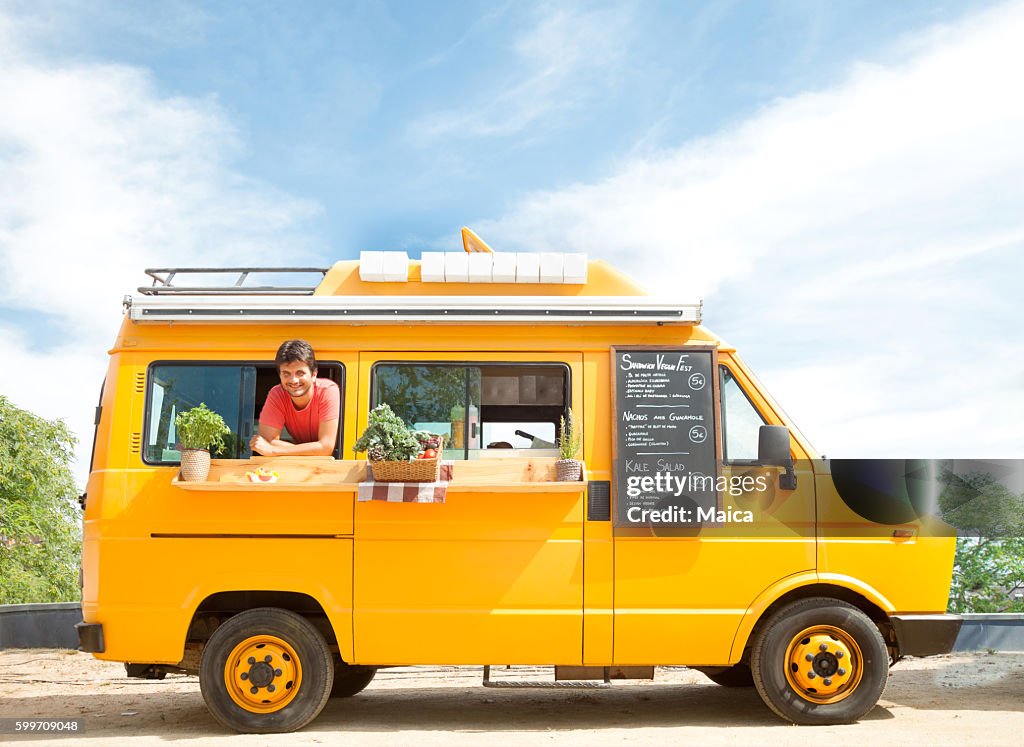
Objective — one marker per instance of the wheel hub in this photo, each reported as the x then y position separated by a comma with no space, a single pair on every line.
262,674
823,664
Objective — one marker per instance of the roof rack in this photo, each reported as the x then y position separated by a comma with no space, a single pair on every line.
163,282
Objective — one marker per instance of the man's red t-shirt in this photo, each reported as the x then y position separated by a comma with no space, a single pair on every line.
303,425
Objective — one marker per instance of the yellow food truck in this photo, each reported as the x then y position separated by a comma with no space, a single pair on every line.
704,531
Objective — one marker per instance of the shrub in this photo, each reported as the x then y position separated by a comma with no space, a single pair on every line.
40,527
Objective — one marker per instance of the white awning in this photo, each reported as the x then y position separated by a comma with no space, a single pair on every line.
405,309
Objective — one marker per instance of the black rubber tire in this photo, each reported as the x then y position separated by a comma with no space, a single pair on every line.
738,675
768,661
350,680
310,649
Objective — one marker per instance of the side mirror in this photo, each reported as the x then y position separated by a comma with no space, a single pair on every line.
773,451
773,446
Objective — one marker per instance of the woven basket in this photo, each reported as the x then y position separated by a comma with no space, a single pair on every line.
416,470
195,464
569,470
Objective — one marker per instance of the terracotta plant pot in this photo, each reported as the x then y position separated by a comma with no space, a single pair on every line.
569,470
195,464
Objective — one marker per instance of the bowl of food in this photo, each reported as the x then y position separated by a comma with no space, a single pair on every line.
260,474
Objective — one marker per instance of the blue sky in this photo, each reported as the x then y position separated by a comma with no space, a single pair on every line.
405,120
840,182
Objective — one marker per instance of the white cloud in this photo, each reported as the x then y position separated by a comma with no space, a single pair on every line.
567,57
102,175
838,235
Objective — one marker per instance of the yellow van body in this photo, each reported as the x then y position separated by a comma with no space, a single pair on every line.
506,570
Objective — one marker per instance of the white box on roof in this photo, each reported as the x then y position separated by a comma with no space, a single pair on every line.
503,269
527,268
396,267
371,267
480,267
456,267
432,267
574,268
550,267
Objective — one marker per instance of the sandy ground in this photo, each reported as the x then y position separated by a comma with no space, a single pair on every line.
950,700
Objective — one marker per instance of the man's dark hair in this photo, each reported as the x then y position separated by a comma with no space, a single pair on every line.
296,350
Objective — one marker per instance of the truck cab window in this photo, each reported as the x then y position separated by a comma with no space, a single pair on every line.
483,410
741,422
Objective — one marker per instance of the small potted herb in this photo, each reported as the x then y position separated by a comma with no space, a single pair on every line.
199,430
570,438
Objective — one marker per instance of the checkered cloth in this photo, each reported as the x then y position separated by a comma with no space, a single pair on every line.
406,492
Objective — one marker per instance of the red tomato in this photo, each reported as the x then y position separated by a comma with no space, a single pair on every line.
429,454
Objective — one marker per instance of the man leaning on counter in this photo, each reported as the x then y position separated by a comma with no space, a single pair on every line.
309,407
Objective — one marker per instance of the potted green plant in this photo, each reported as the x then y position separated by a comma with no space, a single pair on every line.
570,438
199,430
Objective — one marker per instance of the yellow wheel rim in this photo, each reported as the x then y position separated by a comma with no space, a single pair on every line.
263,674
824,664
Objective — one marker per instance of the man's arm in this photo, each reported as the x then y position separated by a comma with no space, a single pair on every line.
269,443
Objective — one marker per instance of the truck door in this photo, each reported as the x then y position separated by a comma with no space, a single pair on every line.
485,577
681,593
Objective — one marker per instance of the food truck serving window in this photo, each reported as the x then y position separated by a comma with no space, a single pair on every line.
485,410
235,391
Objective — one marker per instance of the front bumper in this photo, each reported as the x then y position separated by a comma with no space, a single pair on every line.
926,635
90,637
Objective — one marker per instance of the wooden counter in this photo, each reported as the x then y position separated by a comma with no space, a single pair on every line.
324,474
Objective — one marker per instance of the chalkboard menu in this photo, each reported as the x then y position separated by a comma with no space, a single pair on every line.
665,458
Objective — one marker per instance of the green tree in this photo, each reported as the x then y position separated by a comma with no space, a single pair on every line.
988,574
40,538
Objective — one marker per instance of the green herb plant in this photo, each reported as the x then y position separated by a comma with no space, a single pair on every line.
387,438
201,428
570,438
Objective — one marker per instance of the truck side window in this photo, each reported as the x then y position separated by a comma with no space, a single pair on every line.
235,391
484,410
177,387
741,422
